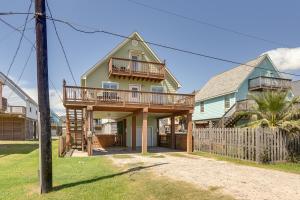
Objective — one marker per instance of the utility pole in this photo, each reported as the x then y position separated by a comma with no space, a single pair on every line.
43,97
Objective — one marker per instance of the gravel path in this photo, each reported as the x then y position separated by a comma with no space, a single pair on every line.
242,182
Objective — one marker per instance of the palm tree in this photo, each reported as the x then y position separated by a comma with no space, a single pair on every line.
274,109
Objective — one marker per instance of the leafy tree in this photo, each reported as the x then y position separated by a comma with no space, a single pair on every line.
274,109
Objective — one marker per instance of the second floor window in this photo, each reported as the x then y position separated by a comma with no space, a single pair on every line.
110,85
202,106
227,102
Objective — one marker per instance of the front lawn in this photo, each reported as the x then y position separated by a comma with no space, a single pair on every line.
286,167
86,178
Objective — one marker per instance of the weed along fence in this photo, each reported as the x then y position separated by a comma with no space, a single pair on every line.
253,144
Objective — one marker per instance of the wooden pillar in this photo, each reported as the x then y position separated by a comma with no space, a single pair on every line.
145,130
189,137
89,119
89,127
1,90
133,133
68,134
157,132
124,132
173,132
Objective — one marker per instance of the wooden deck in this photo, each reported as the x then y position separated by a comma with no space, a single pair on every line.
122,67
263,82
126,100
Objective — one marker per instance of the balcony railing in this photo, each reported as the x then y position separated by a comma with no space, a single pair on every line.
98,96
136,69
245,105
263,82
16,110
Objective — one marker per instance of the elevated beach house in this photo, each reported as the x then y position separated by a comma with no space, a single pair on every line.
18,112
132,87
218,101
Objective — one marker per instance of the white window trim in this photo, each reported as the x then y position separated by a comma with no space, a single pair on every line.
110,82
202,102
152,86
227,96
139,85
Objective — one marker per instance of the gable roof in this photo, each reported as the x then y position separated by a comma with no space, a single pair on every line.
228,81
13,86
134,34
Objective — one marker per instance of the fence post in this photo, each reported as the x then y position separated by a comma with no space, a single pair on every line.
257,145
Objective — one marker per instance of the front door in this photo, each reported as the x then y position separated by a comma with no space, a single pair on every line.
134,96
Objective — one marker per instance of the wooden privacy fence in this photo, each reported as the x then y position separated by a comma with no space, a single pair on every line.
254,144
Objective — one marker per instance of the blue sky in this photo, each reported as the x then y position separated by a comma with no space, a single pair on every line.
274,20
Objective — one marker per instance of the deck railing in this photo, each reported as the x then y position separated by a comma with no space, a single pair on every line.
136,68
16,110
73,94
263,82
244,105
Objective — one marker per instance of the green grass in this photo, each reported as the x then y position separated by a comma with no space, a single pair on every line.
284,166
122,156
86,178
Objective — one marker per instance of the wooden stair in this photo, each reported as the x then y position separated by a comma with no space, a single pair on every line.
76,124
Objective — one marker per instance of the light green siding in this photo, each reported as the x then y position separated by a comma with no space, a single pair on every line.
101,73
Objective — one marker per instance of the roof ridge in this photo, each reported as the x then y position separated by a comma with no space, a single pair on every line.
242,64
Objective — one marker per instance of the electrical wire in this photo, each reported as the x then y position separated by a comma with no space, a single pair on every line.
164,46
208,24
19,43
61,44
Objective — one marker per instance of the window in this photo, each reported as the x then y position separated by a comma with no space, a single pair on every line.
227,102
29,109
158,89
110,85
110,95
202,106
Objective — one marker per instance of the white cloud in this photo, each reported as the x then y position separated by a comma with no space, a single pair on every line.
285,58
55,102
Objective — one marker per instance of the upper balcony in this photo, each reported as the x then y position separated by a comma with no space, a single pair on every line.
269,83
17,110
126,100
136,69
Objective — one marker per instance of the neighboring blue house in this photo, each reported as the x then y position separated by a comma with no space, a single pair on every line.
226,93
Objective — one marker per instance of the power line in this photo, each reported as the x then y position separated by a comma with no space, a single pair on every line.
16,13
163,46
24,67
61,45
19,43
27,60
56,91
17,28
208,24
